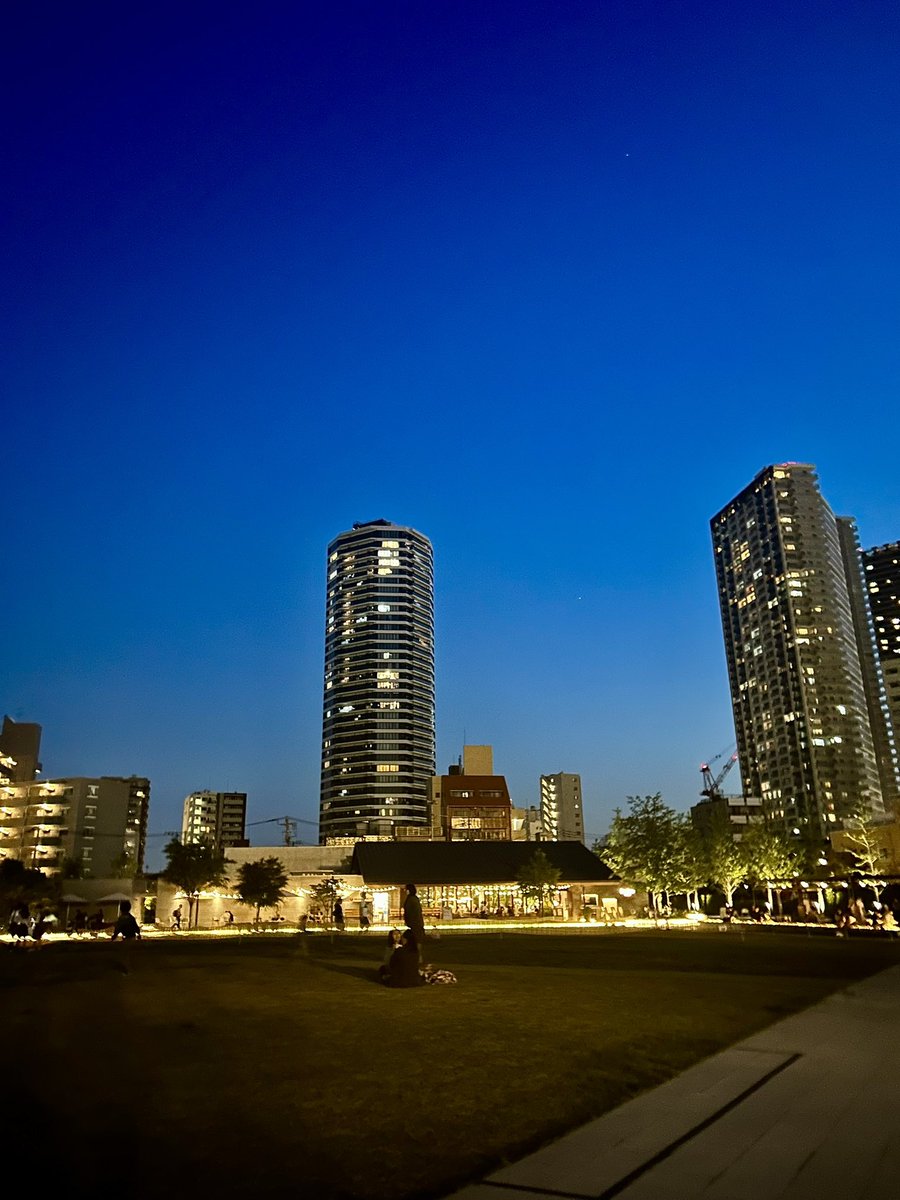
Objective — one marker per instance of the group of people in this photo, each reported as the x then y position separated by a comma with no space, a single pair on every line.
337,914
402,965
83,925
27,926
855,914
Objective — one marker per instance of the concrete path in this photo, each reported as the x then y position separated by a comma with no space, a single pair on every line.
808,1108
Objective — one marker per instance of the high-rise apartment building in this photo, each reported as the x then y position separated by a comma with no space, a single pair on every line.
215,817
378,743
562,814
801,661
99,823
882,576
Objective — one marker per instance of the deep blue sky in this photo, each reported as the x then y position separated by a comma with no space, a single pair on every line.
548,281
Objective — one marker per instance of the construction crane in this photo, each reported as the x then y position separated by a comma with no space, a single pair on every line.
712,785
288,824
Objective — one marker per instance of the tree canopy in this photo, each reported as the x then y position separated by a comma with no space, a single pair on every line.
193,866
722,861
650,844
262,883
537,878
18,883
323,896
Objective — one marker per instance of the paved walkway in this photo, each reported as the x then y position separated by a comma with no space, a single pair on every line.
807,1108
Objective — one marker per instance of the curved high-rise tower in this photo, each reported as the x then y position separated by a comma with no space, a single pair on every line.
378,712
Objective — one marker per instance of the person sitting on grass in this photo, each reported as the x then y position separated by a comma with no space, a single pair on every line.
403,967
393,942
126,926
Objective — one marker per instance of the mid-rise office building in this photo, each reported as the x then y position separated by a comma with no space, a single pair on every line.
20,751
99,823
215,817
882,577
562,814
378,741
801,661
470,803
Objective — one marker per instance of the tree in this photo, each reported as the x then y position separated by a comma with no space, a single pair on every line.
649,845
21,883
721,856
124,865
323,896
865,847
72,867
192,866
262,883
537,878
769,856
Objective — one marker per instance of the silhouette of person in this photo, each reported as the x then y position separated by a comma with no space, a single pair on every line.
412,914
126,926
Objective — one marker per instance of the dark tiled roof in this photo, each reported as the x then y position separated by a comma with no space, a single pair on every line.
470,862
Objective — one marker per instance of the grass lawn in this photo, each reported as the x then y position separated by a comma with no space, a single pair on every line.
270,1066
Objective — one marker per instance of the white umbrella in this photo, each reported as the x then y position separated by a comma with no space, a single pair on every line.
113,898
71,898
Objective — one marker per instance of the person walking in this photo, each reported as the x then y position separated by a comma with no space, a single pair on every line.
176,918
364,914
339,915
412,915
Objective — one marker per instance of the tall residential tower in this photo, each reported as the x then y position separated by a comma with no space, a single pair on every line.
882,575
801,661
378,745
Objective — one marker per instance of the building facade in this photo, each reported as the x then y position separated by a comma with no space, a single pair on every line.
97,822
216,817
20,751
799,653
562,813
471,803
882,579
378,731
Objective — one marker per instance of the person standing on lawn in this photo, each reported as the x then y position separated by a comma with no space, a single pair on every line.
412,915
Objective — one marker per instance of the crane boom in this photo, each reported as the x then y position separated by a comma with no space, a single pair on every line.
712,785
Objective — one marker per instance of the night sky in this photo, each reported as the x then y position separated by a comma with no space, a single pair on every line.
549,282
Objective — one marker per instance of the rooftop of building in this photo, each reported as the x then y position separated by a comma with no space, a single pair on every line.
435,863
